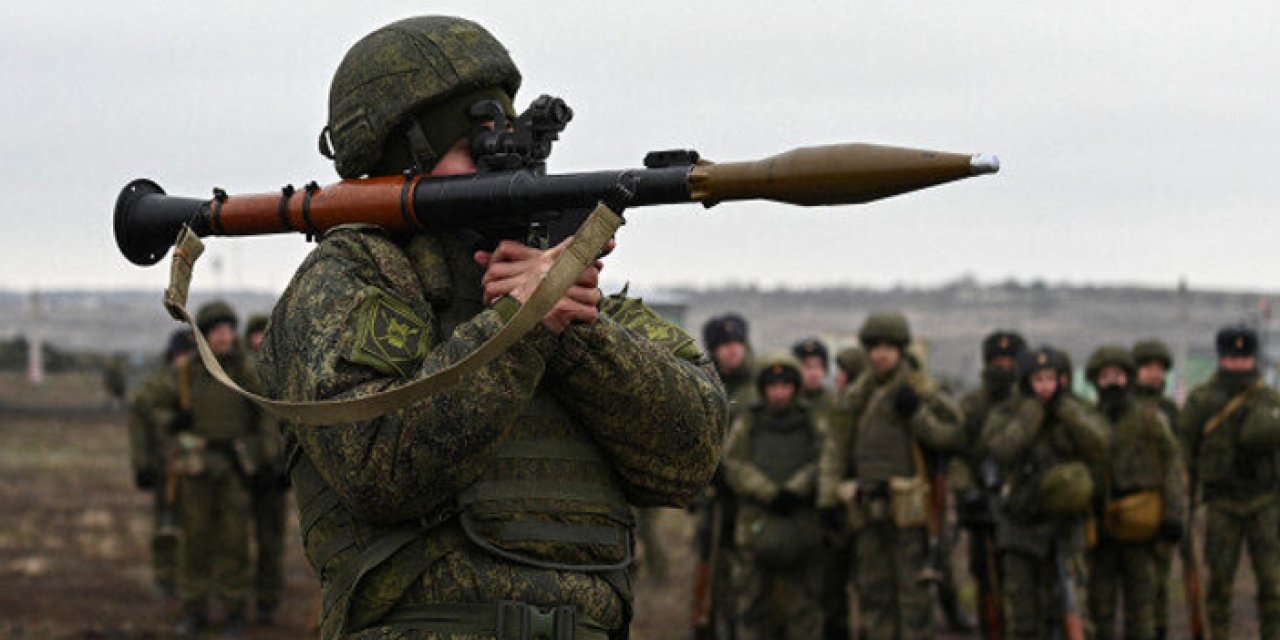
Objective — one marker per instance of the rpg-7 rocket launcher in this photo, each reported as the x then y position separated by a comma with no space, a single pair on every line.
512,197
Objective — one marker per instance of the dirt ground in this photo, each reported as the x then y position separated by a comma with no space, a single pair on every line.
74,537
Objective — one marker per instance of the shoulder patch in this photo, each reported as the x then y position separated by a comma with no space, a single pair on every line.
390,337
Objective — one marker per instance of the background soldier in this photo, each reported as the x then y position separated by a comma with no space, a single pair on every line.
1231,430
814,365
726,339
1145,501
771,462
267,499
836,563
1151,357
1049,447
850,363
501,505
896,416
216,443
1000,352
150,440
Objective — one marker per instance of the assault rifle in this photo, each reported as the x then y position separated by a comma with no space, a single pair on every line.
512,197
1072,622
1197,626
992,598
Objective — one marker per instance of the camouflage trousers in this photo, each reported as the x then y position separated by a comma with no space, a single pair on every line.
893,602
166,539
268,532
777,604
837,565
1032,602
1230,526
215,553
1164,567
1130,573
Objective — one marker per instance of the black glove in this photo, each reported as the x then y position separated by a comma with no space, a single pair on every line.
181,421
787,501
833,519
906,401
145,479
1171,531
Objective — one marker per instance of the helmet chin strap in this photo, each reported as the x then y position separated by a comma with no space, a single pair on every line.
424,157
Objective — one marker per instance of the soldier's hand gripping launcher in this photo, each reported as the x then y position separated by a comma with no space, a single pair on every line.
512,197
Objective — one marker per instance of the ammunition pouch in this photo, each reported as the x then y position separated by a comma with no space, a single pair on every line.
909,501
1135,517
776,541
189,457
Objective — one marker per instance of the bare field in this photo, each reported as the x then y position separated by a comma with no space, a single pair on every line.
74,546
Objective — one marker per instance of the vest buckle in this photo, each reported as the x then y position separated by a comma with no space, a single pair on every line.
520,621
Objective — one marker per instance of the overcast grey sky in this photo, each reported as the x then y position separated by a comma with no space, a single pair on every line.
1138,139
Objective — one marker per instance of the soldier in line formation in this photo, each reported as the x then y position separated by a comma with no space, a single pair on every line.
1058,496
213,460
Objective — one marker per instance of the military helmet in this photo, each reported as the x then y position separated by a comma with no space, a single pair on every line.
1237,340
851,360
214,313
779,367
256,323
1106,356
1066,490
416,78
884,327
1002,342
811,347
1152,350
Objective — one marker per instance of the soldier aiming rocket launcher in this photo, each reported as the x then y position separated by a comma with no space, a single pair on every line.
512,197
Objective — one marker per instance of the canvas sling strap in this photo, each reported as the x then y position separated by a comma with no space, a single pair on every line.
1231,407
586,244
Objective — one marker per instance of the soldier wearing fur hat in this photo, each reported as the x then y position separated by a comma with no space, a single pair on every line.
895,418
1049,447
771,462
1153,361
814,365
1000,352
1230,429
1144,500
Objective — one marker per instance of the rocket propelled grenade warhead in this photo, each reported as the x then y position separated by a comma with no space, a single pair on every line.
528,205
835,174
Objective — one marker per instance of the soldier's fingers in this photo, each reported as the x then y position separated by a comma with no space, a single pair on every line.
510,250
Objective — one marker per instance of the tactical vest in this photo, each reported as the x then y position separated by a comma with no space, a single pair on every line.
883,442
549,499
1051,445
1227,468
782,444
217,413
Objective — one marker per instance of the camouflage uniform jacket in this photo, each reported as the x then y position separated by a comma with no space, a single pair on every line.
871,442
1026,441
148,420
364,313
1145,457
1238,459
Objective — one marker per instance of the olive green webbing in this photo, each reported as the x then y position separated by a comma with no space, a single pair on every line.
586,244
501,620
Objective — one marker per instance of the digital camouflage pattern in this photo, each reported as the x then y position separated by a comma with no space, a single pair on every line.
1236,467
776,572
1144,456
873,443
412,68
378,499
1027,441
